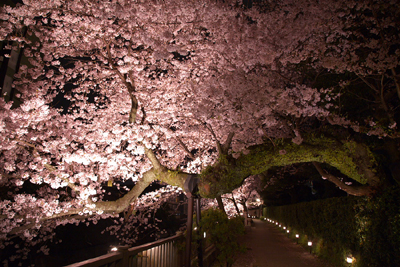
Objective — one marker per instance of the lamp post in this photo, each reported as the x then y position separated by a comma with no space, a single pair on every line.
199,241
191,190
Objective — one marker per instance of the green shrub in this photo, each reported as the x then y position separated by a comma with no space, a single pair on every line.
223,234
368,228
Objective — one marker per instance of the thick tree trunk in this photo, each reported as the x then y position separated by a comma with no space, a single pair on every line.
352,159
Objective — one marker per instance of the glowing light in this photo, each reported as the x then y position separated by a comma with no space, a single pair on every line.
205,234
258,200
287,231
297,236
309,243
284,227
114,249
280,225
349,259
195,228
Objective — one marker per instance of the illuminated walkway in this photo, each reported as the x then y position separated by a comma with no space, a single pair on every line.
269,247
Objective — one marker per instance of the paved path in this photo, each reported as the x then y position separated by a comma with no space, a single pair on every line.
269,247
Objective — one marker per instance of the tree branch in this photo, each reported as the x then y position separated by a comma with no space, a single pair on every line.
364,190
225,147
129,86
185,148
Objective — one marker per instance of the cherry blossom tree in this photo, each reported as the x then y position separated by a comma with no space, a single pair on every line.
240,199
150,91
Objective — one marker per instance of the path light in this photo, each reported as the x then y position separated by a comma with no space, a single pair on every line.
280,225
297,238
114,249
265,219
276,223
310,245
205,235
349,259
284,227
287,231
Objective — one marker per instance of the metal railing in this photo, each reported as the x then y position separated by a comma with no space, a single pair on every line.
161,253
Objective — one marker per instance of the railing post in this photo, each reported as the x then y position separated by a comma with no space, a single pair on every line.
125,256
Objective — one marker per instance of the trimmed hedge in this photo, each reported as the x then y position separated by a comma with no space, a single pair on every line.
368,228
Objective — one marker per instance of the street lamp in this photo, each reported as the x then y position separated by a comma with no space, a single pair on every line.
191,190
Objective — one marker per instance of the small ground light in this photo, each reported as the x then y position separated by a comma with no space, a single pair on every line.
310,245
297,238
205,235
265,219
114,249
280,225
276,223
349,259
287,231
284,227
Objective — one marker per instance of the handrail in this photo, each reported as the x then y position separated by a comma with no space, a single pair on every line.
126,256
146,246
99,261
